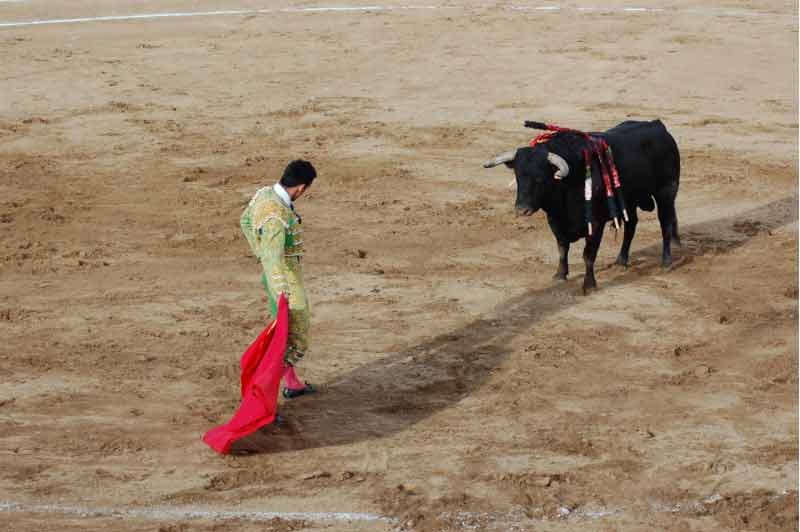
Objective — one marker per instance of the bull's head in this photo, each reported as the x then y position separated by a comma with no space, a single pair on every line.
535,169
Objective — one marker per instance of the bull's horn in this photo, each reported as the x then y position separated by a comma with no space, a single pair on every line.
559,162
500,159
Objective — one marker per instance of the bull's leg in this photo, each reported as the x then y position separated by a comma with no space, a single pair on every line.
630,230
563,250
665,199
563,260
590,253
676,238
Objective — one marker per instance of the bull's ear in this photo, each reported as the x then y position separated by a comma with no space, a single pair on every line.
562,168
506,158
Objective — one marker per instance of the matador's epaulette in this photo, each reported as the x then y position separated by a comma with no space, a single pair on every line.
269,208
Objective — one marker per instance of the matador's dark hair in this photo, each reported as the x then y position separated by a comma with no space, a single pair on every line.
298,172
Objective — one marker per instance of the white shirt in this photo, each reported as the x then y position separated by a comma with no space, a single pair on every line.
282,194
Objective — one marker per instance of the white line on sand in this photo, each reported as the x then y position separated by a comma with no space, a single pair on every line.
243,12
219,13
163,513
188,513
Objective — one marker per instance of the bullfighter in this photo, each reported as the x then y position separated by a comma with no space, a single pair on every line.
274,230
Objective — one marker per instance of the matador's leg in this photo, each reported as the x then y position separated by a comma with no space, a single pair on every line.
295,351
297,344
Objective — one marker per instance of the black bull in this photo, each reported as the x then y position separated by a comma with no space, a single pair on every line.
648,162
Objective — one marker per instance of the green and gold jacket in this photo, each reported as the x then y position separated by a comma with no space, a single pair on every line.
275,235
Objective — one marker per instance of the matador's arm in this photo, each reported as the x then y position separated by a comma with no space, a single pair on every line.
270,250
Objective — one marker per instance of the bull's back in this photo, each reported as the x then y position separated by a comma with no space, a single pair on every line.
646,155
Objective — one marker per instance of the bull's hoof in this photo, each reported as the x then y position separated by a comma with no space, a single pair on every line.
589,286
560,276
622,261
666,265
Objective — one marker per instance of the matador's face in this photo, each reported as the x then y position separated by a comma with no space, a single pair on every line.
297,191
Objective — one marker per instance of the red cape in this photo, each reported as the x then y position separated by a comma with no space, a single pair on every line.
262,367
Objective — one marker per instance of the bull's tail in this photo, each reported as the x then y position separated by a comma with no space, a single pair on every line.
675,236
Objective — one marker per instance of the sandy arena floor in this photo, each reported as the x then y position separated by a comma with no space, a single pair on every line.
462,388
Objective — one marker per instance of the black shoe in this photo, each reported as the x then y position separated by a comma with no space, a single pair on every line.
291,394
